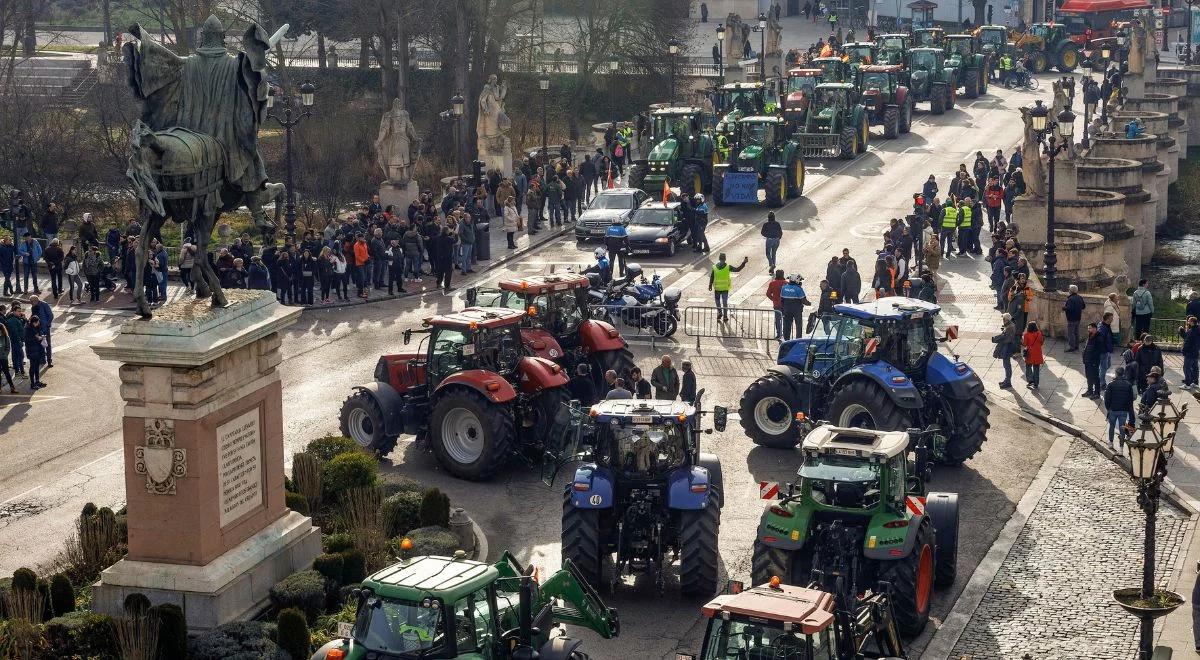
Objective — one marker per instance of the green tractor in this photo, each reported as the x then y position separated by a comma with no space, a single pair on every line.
860,53
993,40
441,607
971,66
931,79
764,157
930,37
837,123
860,515
833,69
892,48
1048,45
681,151
744,99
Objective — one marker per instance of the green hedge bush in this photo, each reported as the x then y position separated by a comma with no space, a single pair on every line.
329,446
349,471
338,542
62,595
354,567
294,637
82,634
238,640
297,502
304,590
432,541
172,631
396,484
330,565
401,512
435,509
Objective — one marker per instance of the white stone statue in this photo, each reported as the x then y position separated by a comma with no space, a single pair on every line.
493,123
1032,167
1137,47
774,35
393,145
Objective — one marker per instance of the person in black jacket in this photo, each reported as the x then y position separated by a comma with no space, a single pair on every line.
441,254
772,232
1118,401
687,390
638,385
833,275
581,387
1073,310
1191,352
1154,385
1148,357
1092,348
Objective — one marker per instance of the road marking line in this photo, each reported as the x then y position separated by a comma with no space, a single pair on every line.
14,498
755,285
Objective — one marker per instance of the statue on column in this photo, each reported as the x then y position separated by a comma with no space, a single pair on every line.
774,35
495,147
393,145
1137,48
1032,167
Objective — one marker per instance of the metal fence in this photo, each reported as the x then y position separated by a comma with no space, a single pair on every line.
741,323
694,67
1166,333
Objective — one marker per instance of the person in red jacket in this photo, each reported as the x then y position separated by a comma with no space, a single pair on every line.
993,197
1032,342
774,287
362,255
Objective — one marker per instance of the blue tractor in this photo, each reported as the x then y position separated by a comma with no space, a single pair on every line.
874,365
644,496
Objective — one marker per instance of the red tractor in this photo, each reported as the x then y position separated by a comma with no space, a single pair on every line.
468,389
556,324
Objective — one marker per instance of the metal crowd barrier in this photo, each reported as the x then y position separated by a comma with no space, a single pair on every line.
745,323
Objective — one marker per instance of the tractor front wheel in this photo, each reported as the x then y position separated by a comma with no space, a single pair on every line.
971,87
471,437
937,100
698,556
768,411
891,122
912,583
1068,59
637,176
847,142
863,404
969,429
693,180
362,421
775,185
581,540
864,135
906,116
795,177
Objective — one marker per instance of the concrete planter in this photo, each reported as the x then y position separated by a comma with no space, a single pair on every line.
1081,259
1121,175
1154,102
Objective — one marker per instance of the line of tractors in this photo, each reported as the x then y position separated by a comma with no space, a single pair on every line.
846,558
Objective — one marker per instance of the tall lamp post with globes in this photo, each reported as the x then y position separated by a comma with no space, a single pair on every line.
720,54
1148,457
457,105
544,85
761,29
1049,134
302,106
673,47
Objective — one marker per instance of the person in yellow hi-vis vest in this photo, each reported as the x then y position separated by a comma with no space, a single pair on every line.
966,221
949,226
720,281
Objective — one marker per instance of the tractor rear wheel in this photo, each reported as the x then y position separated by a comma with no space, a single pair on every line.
795,177
891,122
362,421
775,185
969,429
698,556
864,404
937,100
906,116
620,361
546,415
1038,63
768,411
912,583
971,86
637,176
847,142
942,509
581,540
1068,59
693,180
471,437
864,135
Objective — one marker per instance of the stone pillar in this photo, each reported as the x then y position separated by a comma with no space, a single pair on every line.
203,438
1124,176
1189,105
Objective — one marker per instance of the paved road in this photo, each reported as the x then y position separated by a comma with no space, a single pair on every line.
61,448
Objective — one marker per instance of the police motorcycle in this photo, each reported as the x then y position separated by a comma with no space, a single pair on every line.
635,302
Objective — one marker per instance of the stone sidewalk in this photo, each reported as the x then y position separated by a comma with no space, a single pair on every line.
968,301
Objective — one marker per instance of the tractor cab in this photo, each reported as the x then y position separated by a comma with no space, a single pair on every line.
830,100
850,469
892,47
743,99
931,37
801,82
644,438
780,621
833,69
859,53
926,59
878,82
670,128
682,150
895,331
487,339
993,39
961,46
554,306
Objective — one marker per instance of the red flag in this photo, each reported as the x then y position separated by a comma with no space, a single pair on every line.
666,191
610,179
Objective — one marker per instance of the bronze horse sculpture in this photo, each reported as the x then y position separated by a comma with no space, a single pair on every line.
194,151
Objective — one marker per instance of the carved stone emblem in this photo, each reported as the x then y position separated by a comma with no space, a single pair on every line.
159,459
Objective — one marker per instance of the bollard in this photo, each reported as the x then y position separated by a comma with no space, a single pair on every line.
463,529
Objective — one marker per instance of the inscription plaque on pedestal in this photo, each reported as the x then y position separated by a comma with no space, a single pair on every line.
239,456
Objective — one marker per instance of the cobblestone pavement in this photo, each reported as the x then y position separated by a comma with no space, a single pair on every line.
1052,595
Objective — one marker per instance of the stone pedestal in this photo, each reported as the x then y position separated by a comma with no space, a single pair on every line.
203,441
398,196
1030,215
496,154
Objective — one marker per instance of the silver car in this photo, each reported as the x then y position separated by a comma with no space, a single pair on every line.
618,203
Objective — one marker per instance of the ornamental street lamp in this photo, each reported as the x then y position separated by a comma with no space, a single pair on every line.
1187,55
673,47
544,85
720,54
307,93
1049,134
1148,457
761,29
457,106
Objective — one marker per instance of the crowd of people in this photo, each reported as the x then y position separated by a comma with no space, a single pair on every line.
666,383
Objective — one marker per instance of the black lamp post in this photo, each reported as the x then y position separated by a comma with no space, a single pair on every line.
457,106
1187,56
544,85
673,47
1049,133
720,54
761,29
1148,456
307,92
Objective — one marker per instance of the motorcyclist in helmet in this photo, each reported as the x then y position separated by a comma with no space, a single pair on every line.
602,267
